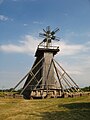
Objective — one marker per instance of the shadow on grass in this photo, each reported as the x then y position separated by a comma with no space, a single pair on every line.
72,111
77,106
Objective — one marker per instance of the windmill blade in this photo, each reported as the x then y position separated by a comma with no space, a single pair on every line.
44,31
53,37
57,39
52,33
42,35
56,30
48,29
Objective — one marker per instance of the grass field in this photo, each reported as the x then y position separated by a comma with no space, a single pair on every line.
45,109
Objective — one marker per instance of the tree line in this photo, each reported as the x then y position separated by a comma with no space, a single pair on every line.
85,89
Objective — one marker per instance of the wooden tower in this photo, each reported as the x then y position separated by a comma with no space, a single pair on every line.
47,78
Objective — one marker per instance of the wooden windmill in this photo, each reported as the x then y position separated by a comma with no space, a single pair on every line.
47,78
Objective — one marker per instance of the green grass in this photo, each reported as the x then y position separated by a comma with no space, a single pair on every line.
45,109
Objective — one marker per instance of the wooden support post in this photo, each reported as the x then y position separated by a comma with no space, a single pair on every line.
31,80
65,80
37,83
66,73
30,72
58,77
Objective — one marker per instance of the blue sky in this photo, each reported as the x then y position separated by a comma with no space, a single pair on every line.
21,21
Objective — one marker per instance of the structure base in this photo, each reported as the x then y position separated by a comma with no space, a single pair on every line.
42,93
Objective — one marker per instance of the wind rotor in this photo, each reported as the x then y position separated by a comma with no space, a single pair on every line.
49,35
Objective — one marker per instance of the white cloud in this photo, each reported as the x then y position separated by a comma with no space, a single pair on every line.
69,49
3,18
27,45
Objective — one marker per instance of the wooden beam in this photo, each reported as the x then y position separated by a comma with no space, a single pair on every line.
38,83
31,80
66,73
58,77
30,72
